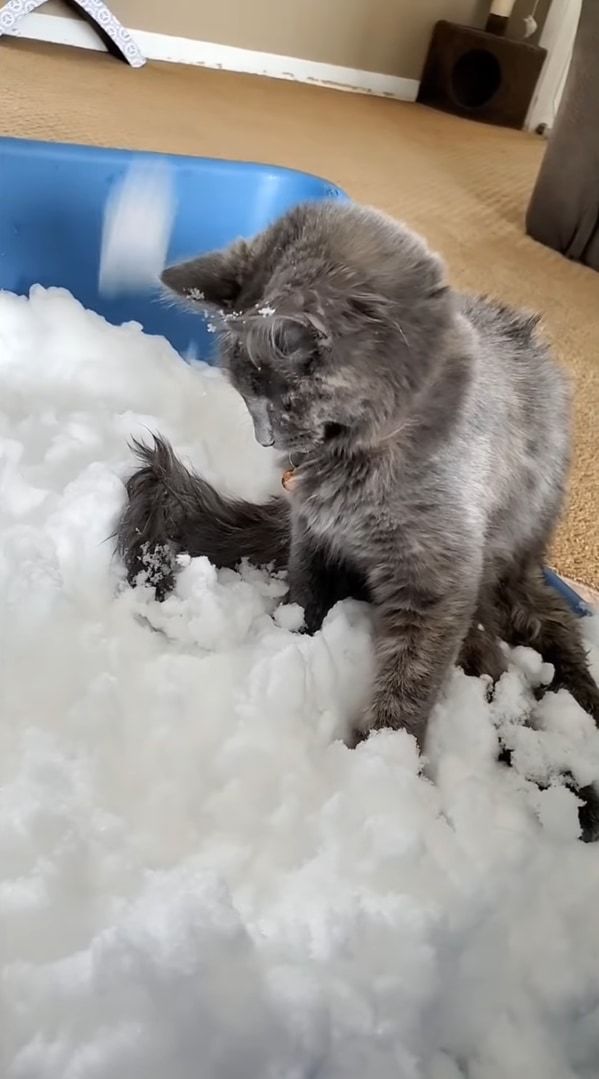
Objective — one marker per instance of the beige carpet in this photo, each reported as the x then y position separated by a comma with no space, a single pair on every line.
465,186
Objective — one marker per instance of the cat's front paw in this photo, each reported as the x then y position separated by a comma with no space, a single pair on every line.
314,615
388,712
381,715
314,612
481,654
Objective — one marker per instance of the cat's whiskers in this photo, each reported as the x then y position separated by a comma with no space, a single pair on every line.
401,427
403,336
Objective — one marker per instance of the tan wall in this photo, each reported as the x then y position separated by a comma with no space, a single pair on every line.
388,36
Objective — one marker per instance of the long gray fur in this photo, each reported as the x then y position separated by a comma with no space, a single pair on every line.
430,437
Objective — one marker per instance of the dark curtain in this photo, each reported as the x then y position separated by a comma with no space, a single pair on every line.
564,209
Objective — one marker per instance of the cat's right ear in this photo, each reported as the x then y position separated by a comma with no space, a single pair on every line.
213,280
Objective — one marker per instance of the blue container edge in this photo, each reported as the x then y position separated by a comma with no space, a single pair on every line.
20,143
571,596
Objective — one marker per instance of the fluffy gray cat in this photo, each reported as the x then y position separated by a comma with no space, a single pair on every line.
428,435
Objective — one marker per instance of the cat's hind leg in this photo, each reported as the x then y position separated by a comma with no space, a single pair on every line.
535,614
481,652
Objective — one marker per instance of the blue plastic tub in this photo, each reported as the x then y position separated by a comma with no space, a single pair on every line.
52,199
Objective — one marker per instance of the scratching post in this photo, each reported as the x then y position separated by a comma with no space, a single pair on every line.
108,27
499,17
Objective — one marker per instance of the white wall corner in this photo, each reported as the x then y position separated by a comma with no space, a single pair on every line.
557,37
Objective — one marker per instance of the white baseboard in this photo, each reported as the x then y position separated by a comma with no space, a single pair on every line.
183,50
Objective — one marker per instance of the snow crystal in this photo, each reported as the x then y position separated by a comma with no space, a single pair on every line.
197,877
133,256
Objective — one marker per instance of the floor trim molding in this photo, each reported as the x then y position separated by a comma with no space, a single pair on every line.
182,50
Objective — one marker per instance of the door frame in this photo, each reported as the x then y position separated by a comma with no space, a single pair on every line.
557,37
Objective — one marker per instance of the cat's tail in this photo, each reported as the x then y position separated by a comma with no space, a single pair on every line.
171,510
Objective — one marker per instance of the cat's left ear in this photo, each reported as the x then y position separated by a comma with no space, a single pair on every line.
212,280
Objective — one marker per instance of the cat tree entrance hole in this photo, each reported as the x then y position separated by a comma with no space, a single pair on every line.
475,79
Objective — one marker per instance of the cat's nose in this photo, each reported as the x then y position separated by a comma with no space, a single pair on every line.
262,425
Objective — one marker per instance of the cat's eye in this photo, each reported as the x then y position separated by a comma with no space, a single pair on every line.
333,430
309,363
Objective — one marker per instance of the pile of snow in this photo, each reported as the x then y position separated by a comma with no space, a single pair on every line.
197,877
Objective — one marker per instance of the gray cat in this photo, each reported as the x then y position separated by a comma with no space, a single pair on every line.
428,435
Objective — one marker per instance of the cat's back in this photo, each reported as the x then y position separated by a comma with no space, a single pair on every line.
516,369
518,413
514,342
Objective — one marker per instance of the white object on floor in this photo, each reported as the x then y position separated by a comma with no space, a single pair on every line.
197,878
138,219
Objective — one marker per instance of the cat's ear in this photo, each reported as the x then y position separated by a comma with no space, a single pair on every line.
212,280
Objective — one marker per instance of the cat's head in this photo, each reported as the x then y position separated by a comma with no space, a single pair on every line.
329,322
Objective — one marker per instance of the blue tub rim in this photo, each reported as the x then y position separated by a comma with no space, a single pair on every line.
18,142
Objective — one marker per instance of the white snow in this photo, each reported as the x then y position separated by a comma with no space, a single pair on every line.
133,255
198,880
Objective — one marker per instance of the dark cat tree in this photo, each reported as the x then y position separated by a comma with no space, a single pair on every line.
481,74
